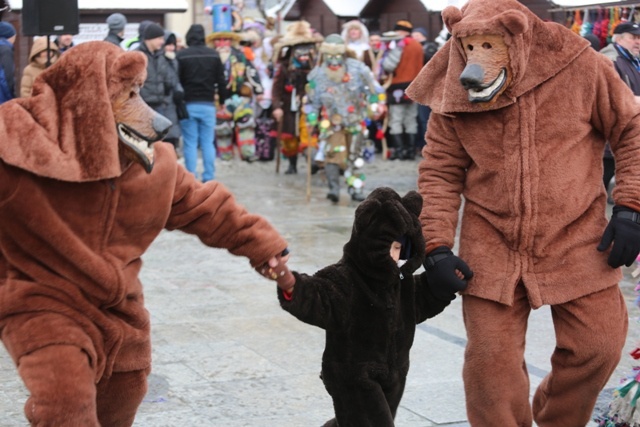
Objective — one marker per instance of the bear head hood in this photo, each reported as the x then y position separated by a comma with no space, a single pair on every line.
68,129
537,51
385,217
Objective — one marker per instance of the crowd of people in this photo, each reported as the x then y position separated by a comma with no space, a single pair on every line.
244,89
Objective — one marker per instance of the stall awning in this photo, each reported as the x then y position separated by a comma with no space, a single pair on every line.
122,5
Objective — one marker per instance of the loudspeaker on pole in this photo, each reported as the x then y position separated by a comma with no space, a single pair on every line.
50,17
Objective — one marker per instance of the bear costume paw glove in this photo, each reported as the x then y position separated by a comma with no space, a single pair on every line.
440,266
624,231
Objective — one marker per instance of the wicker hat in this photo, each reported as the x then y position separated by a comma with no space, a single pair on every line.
297,33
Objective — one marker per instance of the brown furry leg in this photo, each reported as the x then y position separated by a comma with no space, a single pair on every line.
590,335
62,387
495,376
119,397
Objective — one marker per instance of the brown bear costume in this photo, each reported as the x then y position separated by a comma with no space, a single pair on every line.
76,215
527,158
369,308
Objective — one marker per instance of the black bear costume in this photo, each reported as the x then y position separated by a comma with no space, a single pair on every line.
369,308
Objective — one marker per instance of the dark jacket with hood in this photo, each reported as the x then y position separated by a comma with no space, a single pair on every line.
201,71
369,308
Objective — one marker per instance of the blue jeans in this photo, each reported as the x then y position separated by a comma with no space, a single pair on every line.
198,131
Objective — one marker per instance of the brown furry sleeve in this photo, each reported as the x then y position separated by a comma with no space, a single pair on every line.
210,211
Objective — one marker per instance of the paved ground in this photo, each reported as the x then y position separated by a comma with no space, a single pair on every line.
225,354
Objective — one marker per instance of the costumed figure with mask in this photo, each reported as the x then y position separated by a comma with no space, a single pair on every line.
235,119
294,55
342,92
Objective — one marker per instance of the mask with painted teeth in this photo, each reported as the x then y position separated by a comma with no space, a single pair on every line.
138,148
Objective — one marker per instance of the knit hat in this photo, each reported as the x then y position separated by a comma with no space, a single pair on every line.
116,22
6,30
422,31
333,45
153,31
403,26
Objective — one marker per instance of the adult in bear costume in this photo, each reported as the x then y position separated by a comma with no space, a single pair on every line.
521,112
82,196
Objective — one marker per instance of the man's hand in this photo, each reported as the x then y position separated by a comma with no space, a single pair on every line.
277,114
446,273
624,231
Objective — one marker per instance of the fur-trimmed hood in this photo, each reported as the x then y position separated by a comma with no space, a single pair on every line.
66,130
385,217
538,50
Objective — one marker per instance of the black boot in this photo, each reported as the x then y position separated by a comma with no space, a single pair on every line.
394,144
293,165
409,147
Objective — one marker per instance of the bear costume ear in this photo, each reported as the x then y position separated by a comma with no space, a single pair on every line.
128,66
451,15
412,202
365,213
514,21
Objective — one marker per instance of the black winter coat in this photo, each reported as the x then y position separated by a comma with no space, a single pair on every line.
369,308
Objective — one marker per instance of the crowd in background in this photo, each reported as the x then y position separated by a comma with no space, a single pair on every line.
238,89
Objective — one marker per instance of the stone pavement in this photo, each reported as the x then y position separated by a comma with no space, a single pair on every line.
225,354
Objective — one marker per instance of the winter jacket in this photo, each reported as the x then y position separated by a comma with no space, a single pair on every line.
624,66
113,38
34,68
404,62
201,71
368,306
7,71
529,165
75,219
160,81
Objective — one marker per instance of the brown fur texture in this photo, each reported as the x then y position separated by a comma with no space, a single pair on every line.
529,165
74,224
49,132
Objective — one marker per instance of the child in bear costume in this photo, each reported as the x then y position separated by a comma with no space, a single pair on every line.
82,196
369,305
522,109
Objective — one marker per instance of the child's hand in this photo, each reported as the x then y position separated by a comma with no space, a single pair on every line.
276,269
459,274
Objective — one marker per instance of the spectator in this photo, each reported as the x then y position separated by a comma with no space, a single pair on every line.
404,62
176,108
116,23
40,58
429,49
624,53
200,71
132,43
162,83
64,42
356,36
7,64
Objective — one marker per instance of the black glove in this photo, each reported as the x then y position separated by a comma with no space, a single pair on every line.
178,96
181,111
624,231
440,266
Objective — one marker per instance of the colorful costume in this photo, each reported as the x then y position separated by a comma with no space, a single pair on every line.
519,131
341,91
294,56
235,120
369,306
83,195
